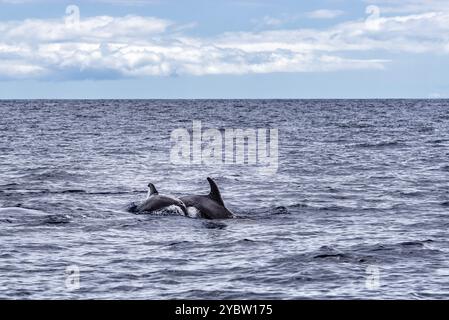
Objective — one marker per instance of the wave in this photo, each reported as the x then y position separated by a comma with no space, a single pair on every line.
57,219
363,253
301,207
18,190
355,125
168,211
50,175
337,256
382,144
20,215
437,141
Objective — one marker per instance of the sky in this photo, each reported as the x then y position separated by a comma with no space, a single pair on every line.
169,49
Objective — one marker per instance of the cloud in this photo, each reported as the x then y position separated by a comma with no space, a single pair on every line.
13,1
324,14
409,6
136,46
268,21
128,2
118,2
96,29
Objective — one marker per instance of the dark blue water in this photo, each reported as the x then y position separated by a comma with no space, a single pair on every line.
361,186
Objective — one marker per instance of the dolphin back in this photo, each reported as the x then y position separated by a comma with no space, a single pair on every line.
157,202
214,193
211,206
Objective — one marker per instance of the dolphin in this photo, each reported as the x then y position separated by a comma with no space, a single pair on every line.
209,206
155,202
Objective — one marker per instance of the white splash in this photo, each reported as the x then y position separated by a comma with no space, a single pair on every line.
193,212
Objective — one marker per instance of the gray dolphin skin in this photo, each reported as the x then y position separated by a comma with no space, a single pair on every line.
210,206
155,201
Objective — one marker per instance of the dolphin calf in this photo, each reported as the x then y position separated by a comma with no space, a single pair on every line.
209,206
155,202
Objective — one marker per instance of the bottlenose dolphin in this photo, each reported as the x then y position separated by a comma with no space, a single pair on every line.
210,206
155,201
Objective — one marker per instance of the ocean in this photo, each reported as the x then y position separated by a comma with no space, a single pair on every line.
357,208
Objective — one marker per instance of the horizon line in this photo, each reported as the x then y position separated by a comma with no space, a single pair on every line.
389,98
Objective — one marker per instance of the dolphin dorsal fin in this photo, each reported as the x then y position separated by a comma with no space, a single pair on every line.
215,192
152,189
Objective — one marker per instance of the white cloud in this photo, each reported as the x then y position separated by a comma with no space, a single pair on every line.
409,6
19,69
14,1
268,21
119,2
96,29
324,14
134,46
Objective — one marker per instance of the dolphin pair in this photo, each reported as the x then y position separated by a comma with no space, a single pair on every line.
209,206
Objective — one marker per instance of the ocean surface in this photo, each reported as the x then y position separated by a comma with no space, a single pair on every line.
359,206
